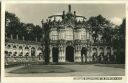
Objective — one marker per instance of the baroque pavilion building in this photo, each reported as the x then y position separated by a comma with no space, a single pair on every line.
66,38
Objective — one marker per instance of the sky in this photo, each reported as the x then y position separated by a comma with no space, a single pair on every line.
34,13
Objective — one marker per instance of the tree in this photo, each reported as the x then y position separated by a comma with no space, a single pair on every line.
121,42
100,25
12,23
15,27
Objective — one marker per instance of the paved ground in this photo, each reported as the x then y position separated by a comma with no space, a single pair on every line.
66,70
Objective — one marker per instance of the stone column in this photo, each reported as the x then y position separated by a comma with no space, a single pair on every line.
51,58
17,37
77,54
42,51
105,51
29,51
112,53
89,55
64,54
23,50
11,36
98,51
61,54
36,53
23,38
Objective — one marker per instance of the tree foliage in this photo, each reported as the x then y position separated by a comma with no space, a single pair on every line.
14,27
100,26
112,35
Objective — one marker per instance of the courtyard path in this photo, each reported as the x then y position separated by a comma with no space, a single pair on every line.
79,70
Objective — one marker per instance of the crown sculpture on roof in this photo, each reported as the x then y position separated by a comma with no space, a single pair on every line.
68,18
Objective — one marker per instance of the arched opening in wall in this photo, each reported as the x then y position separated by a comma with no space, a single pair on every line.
10,54
26,48
33,51
55,54
70,54
26,51
20,47
84,54
39,53
14,47
20,51
9,46
6,53
14,51
15,54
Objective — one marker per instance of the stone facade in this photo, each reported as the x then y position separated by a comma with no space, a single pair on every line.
70,40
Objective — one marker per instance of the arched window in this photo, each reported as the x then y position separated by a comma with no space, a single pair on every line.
83,34
26,48
14,47
33,50
9,46
20,47
6,52
53,35
69,33
15,53
10,54
62,34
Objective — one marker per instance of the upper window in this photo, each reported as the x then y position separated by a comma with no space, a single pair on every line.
53,35
69,34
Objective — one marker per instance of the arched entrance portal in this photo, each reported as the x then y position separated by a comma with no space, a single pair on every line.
84,55
55,53
33,51
70,54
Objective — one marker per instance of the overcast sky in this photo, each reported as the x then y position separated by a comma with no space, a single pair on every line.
33,13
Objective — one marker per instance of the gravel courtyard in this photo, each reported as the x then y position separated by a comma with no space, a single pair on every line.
66,70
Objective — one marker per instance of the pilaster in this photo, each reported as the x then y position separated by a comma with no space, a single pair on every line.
51,57
77,54
61,54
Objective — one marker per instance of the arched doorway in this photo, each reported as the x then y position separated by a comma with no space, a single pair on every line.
84,55
55,53
70,54
33,51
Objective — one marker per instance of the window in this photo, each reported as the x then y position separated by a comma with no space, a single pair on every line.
83,34
62,34
20,47
53,35
69,34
